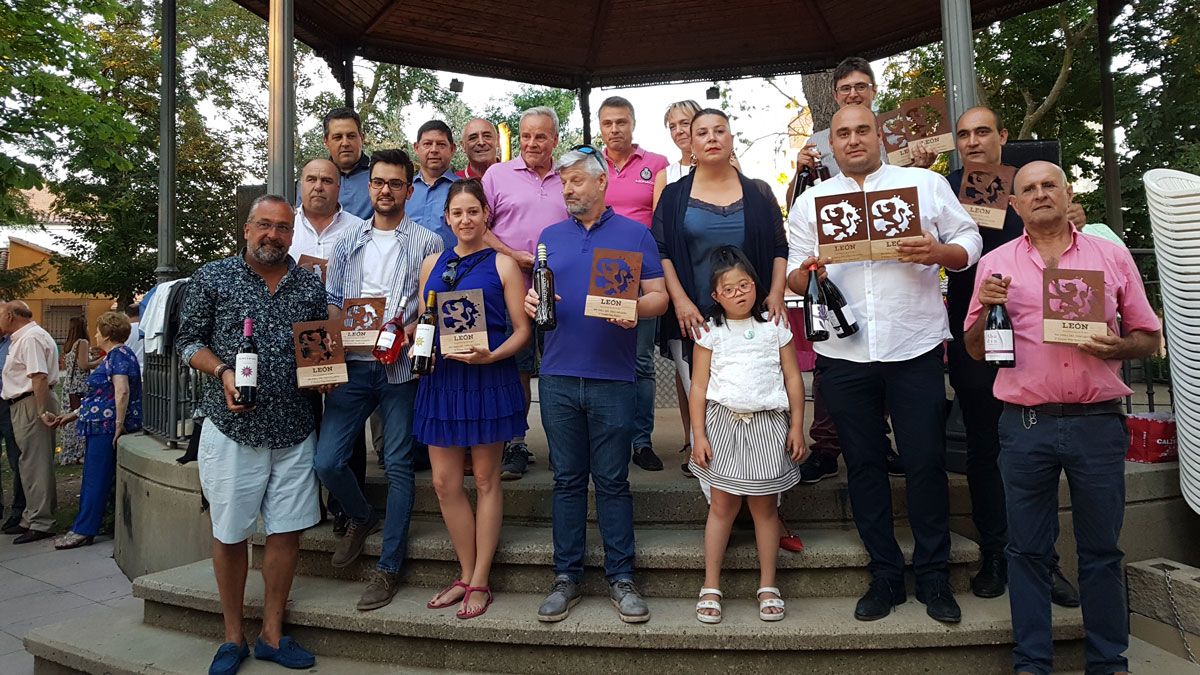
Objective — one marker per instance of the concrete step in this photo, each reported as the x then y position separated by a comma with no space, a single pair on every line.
819,634
665,498
670,563
119,643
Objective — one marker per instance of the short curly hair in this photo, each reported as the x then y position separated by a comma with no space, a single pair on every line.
114,326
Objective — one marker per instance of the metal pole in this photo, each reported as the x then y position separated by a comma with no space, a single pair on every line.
1105,9
960,62
281,118
166,148
585,109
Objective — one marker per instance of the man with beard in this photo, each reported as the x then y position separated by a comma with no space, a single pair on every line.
255,460
380,259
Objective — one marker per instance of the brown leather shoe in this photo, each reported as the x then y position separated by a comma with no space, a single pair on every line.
380,591
32,536
350,546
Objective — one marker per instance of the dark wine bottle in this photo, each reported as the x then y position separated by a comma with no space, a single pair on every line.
822,172
998,337
391,338
245,366
804,180
816,309
844,324
546,316
423,337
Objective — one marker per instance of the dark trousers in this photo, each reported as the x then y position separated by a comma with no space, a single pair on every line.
14,461
1034,451
823,432
914,392
972,381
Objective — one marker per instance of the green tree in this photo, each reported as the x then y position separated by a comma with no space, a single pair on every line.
18,282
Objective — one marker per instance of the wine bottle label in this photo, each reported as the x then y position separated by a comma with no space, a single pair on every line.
385,341
245,370
848,314
423,340
998,344
818,318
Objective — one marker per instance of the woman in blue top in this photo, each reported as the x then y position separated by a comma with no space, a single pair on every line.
472,400
111,407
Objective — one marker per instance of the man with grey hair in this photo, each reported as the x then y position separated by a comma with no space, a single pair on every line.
479,142
255,460
525,197
587,386
29,375
321,220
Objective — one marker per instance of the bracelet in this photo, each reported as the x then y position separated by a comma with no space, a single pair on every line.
221,370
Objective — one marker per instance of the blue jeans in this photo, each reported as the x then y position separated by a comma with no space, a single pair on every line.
99,471
589,424
346,410
1091,450
643,416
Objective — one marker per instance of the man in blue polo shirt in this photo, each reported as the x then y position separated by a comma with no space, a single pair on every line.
344,141
587,388
427,205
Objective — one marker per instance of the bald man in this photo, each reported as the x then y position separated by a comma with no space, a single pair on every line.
29,376
320,220
1062,414
479,142
893,363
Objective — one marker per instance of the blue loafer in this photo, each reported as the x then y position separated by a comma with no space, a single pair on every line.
229,658
289,654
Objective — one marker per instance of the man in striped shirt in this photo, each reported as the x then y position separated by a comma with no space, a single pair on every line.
380,259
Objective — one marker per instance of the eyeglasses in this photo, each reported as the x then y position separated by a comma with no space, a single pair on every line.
589,150
450,274
734,291
267,226
396,184
857,87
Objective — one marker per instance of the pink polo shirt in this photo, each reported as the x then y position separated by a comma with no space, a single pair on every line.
1055,373
522,204
631,188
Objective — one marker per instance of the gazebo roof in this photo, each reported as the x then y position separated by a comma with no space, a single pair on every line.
573,43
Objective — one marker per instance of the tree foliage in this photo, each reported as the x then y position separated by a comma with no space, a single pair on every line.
562,101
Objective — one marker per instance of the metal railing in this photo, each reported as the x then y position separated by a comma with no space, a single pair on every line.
170,388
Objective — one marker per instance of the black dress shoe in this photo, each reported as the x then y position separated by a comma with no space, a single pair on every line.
11,527
939,601
992,577
645,458
1062,593
879,599
31,536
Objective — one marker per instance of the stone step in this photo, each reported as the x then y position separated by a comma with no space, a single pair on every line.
819,634
665,498
670,563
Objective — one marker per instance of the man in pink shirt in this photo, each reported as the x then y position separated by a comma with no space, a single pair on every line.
631,172
1062,412
525,197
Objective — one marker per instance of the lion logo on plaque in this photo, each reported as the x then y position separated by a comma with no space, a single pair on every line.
840,220
894,135
613,276
1070,298
460,315
925,121
891,216
359,317
984,188
316,344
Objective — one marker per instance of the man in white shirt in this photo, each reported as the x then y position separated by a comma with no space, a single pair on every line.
29,376
893,363
320,220
136,341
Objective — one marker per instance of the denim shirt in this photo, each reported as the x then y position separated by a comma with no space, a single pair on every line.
220,296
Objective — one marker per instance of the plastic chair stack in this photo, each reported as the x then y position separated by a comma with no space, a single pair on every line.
1173,198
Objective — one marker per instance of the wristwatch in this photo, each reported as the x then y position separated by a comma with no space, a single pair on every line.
221,370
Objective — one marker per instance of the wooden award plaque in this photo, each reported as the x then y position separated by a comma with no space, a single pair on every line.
842,227
361,320
895,217
929,123
462,322
894,126
613,285
320,358
1072,306
984,192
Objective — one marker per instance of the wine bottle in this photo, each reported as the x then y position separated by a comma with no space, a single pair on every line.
844,324
423,337
245,366
998,337
822,172
391,338
546,316
816,309
804,180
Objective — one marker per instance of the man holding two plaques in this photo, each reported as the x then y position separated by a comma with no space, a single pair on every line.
889,228
1064,292
607,275
255,460
379,261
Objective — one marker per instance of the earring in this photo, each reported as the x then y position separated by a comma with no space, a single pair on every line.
693,158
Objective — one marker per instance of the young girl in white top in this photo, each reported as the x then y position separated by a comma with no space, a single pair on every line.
747,410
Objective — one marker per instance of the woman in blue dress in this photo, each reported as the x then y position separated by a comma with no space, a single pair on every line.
111,407
473,400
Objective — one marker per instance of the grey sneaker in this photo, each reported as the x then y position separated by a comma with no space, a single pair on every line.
350,546
628,601
515,461
564,594
380,591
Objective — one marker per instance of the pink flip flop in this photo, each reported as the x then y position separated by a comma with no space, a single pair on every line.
463,614
458,583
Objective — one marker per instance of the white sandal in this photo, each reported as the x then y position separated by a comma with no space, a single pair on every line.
709,604
770,602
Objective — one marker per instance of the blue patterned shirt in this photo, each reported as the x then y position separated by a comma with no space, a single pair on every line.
220,296
98,410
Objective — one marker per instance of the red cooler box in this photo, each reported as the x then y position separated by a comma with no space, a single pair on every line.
1152,438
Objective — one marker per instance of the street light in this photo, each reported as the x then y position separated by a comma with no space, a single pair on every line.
456,85
713,93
